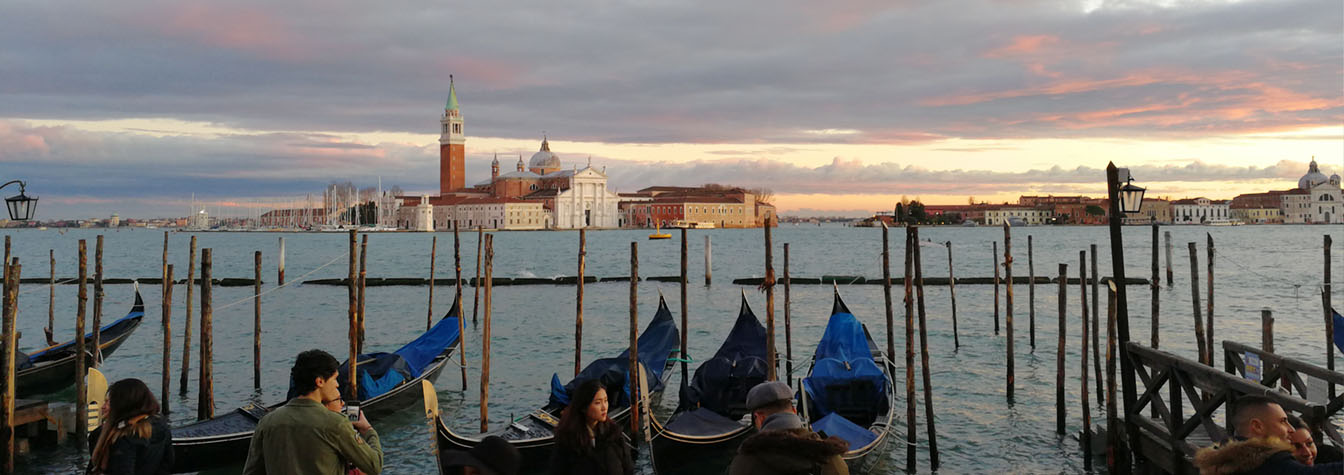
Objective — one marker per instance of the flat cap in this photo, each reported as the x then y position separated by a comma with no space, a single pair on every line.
766,393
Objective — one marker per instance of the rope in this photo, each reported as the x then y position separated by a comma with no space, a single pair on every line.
292,282
1280,280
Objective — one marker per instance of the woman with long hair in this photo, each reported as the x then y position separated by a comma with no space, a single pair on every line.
587,442
133,438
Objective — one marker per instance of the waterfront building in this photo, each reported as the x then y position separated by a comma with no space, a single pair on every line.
1150,211
1200,210
115,221
996,215
1317,199
720,207
1258,208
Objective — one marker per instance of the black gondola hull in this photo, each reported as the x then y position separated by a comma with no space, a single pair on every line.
54,376
677,454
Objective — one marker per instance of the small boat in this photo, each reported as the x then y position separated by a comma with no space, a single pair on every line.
52,369
388,382
703,433
658,233
681,223
848,391
533,434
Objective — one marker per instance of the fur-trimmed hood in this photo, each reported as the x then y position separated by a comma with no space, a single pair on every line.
787,451
1239,456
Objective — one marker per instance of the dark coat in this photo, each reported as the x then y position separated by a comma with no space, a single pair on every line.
1256,457
791,451
610,455
132,455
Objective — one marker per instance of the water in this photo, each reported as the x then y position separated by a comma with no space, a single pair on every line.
1277,267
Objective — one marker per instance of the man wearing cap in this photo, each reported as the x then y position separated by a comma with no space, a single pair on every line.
784,443
493,456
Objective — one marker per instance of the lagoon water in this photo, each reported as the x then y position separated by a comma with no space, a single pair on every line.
1275,267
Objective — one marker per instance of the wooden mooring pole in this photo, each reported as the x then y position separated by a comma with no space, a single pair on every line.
996,288
1059,349
1096,328
457,301
633,367
1167,235
359,313
280,269
1204,351
952,291
50,331
97,301
1152,287
256,320
476,287
1112,418
1086,435
1031,294
685,376
433,256
352,317
770,353
578,303
485,333
186,325
205,399
1208,314
924,353
167,339
1326,307
1008,304
81,399
788,319
910,402
886,290
1267,330
8,360
709,274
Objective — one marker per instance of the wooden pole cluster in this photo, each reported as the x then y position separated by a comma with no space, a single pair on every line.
952,291
886,289
770,354
1112,418
51,300
359,313
81,399
1059,350
476,289
578,303
1209,345
186,330
433,256
256,320
1087,410
280,270
708,267
685,376
996,288
924,352
1329,320
1194,299
633,368
7,401
910,402
788,319
485,333
352,314
1152,287
1031,294
205,400
97,301
457,301
1096,328
167,339
1008,314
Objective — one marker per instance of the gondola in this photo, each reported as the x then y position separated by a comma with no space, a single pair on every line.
709,423
388,382
532,434
52,369
848,392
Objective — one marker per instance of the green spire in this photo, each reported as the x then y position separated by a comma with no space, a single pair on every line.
452,95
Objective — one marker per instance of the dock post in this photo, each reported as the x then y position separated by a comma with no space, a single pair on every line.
8,360
708,267
457,300
1059,350
633,367
1031,294
1154,316
280,270
1204,350
476,287
685,377
1096,328
205,400
578,303
167,338
1329,320
51,300
924,353
788,319
1087,411
1008,304
429,308
1267,330
1112,419
97,301
952,290
769,284
186,329
359,313
886,289
910,402
256,320
996,288
352,317
485,333
81,399
1167,235
1208,315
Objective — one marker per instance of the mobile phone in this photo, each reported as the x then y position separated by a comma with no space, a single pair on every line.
352,411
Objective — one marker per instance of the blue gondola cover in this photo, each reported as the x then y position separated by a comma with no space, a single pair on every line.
1339,329
837,426
659,340
844,376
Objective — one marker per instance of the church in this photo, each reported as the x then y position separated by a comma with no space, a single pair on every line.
540,194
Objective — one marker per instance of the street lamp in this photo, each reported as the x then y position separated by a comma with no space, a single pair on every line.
1129,198
21,207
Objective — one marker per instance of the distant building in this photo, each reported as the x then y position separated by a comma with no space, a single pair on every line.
1258,208
722,207
996,215
1317,199
114,221
1200,210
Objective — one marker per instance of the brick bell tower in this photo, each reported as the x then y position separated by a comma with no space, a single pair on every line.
452,146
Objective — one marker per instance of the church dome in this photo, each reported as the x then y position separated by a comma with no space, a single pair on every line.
1312,178
544,159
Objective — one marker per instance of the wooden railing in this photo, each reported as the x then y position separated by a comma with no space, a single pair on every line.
1278,370
1169,441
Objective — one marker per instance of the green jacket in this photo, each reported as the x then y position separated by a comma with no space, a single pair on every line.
304,438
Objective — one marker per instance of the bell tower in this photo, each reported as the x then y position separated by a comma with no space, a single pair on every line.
452,145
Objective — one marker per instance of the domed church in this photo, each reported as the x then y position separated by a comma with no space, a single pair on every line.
1317,198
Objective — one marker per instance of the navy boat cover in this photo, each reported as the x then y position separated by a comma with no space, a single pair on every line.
1339,329
844,377
721,383
659,340
837,426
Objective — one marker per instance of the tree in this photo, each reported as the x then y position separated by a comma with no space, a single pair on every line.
970,200
917,214
1094,210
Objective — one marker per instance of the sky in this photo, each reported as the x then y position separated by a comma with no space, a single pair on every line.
131,107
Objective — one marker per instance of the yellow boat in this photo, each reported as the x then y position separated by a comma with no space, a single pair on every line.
658,232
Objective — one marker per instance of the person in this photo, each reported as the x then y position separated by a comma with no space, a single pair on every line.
586,441
338,406
493,456
134,439
326,440
1260,445
1305,449
784,443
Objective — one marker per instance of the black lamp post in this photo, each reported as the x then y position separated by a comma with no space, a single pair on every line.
21,207
1124,198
